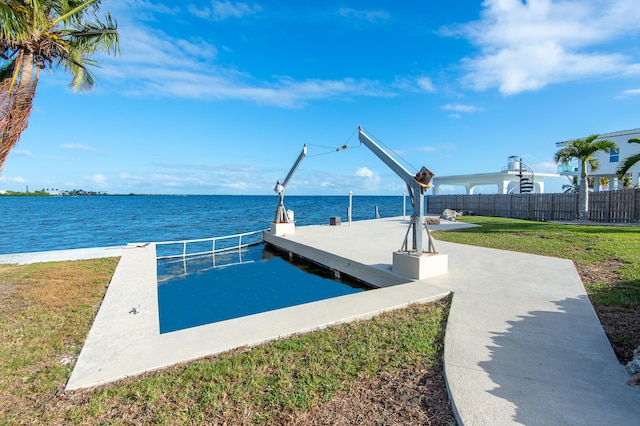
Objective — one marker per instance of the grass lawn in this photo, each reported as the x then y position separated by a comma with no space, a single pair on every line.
46,311
606,257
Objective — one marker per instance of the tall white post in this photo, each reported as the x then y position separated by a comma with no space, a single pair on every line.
350,206
404,205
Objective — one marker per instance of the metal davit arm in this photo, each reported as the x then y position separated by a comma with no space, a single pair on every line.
281,212
416,185
295,166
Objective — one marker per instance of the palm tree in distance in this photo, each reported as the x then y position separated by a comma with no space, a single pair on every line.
603,182
629,162
39,34
584,150
572,186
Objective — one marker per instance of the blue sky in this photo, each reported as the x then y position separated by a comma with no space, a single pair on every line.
218,97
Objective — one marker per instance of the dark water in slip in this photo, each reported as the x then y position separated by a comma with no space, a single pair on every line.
264,281
51,223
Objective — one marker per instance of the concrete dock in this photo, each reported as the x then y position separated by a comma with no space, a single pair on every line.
523,344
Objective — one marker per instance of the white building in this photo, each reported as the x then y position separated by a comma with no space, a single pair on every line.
609,162
515,178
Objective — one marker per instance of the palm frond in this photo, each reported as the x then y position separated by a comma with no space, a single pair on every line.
12,14
96,36
7,70
71,11
77,65
629,162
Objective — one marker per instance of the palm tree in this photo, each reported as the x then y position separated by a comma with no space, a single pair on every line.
572,186
629,162
603,182
39,34
584,150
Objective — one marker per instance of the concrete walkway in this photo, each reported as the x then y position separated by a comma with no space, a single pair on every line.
60,255
523,344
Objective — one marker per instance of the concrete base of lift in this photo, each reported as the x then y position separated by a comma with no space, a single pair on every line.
282,228
417,267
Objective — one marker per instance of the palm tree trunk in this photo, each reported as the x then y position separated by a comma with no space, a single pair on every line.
583,203
17,102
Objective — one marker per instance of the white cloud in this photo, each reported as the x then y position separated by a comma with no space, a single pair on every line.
186,176
370,16
155,63
23,152
545,167
427,148
126,176
367,173
141,44
284,92
221,10
364,172
414,84
226,9
77,147
451,189
461,108
628,93
98,179
525,46
9,179
426,84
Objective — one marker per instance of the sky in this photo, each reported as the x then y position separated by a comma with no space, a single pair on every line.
219,97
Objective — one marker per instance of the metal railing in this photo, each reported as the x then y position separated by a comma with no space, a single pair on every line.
217,245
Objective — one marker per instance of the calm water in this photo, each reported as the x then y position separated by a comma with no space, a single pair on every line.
52,223
193,293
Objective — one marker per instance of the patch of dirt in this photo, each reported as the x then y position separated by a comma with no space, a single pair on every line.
414,396
6,287
6,290
604,271
622,325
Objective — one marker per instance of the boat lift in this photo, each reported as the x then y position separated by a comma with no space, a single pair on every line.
416,185
419,261
283,224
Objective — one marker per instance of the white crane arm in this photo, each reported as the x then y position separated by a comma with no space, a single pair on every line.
295,166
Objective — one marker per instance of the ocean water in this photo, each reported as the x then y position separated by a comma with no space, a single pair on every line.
30,224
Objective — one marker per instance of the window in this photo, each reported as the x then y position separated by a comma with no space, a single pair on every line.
614,155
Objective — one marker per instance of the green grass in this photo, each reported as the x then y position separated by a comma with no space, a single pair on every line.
46,311
275,380
613,249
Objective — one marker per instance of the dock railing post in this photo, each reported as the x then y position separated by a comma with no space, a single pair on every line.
350,207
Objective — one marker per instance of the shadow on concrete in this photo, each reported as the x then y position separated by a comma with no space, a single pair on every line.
570,376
